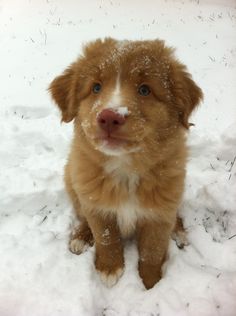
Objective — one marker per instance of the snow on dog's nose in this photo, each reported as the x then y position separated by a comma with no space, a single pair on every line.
110,120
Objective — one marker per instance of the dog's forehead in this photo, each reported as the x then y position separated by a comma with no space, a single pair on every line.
123,52
133,58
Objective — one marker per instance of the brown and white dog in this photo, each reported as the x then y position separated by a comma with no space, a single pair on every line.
130,101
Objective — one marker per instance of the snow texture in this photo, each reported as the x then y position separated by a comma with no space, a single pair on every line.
122,110
38,274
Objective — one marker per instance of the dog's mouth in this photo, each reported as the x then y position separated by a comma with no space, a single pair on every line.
114,145
113,142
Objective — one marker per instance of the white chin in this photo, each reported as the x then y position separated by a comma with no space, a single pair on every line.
112,151
108,150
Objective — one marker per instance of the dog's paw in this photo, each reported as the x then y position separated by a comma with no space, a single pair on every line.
179,234
80,239
78,246
110,278
180,237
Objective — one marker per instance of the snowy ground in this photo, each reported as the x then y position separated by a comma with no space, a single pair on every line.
38,275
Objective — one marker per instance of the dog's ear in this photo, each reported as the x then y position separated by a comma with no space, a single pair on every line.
63,91
186,94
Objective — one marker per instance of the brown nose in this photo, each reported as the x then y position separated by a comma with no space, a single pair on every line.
110,120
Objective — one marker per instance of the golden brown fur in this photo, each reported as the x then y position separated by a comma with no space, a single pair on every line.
132,188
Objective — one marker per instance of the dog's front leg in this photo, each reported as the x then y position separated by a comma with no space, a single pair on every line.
109,260
153,239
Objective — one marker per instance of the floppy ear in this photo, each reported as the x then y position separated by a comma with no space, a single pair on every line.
63,91
186,94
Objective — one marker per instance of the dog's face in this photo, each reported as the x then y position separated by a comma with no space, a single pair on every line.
123,92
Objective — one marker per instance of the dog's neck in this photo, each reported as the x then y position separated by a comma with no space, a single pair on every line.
122,171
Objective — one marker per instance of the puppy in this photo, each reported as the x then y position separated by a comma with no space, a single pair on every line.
130,102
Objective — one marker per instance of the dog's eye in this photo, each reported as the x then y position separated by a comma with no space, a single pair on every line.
97,87
144,90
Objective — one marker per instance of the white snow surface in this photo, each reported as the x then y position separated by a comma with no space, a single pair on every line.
38,274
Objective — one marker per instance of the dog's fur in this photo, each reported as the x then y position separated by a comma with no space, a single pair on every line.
130,185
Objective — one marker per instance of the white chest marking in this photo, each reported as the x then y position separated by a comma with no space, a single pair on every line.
128,215
129,211
118,168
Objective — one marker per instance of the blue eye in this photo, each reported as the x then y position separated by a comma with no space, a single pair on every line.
97,87
144,90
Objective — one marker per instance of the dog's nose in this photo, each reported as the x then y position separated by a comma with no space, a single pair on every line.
110,120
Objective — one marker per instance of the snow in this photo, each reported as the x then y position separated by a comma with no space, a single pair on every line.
38,275
122,110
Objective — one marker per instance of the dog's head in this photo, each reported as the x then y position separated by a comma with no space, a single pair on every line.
123,92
